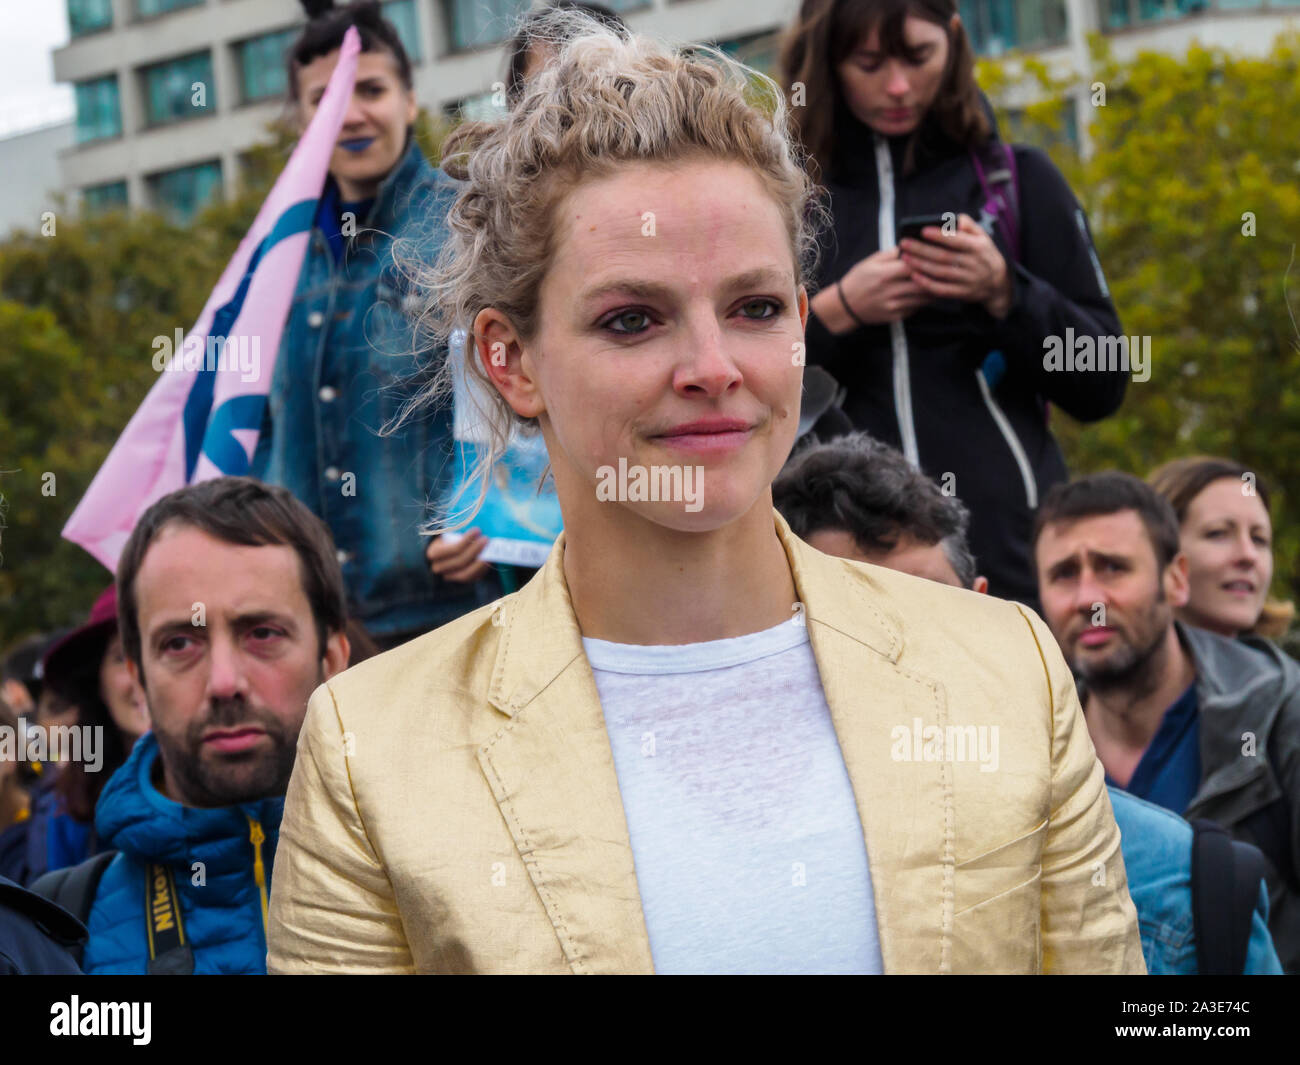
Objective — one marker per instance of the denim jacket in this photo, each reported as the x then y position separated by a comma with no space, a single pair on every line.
346,366
1157,848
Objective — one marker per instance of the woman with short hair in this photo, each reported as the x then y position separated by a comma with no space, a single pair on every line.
691,743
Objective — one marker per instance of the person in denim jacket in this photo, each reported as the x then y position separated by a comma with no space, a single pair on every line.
350,358
1157,848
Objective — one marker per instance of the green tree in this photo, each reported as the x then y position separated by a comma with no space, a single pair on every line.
1192,192
79,309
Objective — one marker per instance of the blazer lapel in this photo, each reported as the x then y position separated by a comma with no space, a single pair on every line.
552,773
880,711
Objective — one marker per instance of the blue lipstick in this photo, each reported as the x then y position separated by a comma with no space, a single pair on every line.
358,145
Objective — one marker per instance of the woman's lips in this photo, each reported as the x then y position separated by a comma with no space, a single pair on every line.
357,144
1244,589
707,442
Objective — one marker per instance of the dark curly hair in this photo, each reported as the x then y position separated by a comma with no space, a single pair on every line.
858,485
324,32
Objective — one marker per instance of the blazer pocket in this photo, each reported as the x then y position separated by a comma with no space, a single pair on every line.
1002,934
1004,868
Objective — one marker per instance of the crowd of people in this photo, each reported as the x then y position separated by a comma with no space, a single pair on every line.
898,696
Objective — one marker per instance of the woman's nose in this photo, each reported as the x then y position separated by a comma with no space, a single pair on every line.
898,84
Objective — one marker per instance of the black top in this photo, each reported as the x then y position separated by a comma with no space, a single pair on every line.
997,446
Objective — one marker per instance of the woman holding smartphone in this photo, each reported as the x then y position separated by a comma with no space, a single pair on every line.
687,744
939,333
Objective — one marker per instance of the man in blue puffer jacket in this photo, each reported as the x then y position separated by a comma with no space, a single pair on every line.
218,865
231,609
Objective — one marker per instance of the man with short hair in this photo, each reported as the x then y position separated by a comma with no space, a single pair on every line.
855,495
232,612
858,498
1199,724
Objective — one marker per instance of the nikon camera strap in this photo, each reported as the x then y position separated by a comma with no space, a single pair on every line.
169,953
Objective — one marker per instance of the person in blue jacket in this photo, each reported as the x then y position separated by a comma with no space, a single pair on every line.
193,816
1157,847
351,355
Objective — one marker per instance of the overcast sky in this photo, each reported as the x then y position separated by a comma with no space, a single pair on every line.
28,94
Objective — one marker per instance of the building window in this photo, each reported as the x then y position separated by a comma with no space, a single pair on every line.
1116,14
98,112
262,65
180,194
179,89
475,23
758,50
403,16
150,8
87,16
996,26
110,197
482,107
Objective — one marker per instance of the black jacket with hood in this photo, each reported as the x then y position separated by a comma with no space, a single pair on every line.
917,385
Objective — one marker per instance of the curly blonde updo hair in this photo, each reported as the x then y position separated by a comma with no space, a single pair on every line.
603,100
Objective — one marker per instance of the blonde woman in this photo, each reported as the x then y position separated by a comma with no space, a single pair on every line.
691,743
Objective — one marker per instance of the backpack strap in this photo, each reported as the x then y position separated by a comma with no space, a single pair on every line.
1226,877
999,179
74,888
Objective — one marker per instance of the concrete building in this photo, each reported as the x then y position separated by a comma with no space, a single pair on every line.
32,158
170,93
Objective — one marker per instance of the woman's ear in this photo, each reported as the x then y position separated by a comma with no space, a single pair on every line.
506,363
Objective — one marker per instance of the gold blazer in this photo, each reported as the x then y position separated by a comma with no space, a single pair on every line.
454,806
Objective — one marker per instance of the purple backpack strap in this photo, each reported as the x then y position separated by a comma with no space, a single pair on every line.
1002,194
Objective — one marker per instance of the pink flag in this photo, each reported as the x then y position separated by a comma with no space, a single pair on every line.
202,417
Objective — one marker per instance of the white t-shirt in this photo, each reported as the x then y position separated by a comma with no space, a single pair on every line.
749,850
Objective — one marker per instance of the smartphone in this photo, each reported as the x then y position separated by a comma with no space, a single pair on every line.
912,225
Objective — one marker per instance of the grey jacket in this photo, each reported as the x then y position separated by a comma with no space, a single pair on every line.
1248,702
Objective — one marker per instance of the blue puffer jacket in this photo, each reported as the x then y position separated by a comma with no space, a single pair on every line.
220,860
